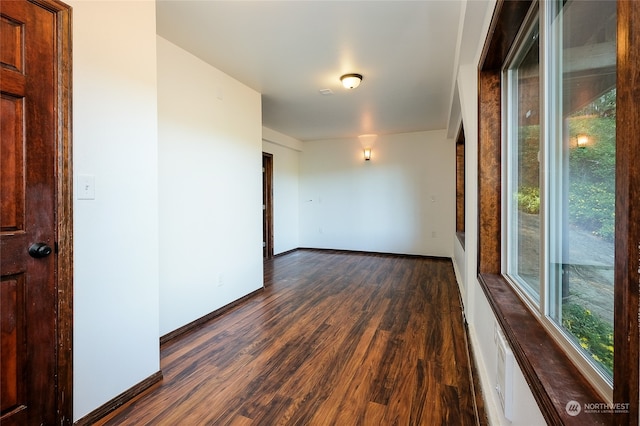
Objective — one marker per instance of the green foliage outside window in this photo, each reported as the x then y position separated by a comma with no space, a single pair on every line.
529,199
591,169
592,333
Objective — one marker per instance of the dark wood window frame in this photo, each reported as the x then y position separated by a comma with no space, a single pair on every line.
553,378
460,184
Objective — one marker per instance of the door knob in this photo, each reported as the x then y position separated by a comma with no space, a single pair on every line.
39,250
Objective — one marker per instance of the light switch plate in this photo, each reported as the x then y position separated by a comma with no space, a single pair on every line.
86,187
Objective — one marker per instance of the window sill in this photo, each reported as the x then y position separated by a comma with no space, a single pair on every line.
553,379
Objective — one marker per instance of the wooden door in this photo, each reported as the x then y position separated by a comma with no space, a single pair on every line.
267,205
29,153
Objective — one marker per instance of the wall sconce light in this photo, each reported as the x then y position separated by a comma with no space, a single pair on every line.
582,141
351,81
367,154
367,142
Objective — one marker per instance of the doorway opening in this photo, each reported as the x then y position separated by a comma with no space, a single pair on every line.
267,205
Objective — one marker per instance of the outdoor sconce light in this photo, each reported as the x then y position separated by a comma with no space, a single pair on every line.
582,141
367,154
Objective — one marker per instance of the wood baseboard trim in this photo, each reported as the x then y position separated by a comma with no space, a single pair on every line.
368,253
374,253
285,252
202,320
120,400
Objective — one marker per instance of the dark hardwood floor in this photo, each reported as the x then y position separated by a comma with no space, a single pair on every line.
334,339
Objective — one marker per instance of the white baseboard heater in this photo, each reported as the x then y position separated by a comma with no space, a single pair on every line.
504,373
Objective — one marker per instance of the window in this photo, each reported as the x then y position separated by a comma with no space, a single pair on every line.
560,223
581,178
523,176
578,91
460,188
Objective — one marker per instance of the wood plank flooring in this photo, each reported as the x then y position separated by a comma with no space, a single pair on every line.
334,339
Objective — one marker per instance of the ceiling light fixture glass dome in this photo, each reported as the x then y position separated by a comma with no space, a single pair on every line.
351,81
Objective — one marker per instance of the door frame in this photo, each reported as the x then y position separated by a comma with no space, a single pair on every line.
64,209
267,202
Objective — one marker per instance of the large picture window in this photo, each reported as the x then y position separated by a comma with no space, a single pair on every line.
562,337
559,175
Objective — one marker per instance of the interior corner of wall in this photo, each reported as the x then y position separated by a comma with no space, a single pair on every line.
275,137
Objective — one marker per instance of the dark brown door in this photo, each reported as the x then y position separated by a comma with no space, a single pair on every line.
28,155
267,205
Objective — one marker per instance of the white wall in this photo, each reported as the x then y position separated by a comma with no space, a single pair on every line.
126,99
115,235
286,168
396,203
210,180
480,317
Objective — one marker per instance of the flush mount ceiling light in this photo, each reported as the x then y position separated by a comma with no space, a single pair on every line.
351,81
